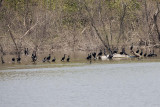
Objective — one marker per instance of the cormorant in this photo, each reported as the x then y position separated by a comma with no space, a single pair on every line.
150,54
49,57
145,54
131,48
63,58
94,55
19,59
13,60
68,58
141,52
44,60
27,52
34,57
100,53
89,56
54,59
137,50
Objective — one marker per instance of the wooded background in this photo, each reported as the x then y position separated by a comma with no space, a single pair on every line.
72,25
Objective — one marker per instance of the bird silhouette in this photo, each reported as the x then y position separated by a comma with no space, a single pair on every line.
13,60
68,59
131,48
94,55
88,57
63,58
44,59
19,59
100,53
145,54
141,52
49,57
54,59
34,57
137,50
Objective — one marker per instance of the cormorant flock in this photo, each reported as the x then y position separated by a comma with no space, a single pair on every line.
101,55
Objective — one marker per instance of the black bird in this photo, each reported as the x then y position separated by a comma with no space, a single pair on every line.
63,58
131,48
19,59
13,60
54,59
27,52
122,52
150,54
137,50
88,57
34,57
145,54
94,55
110,56
68,59
115,50
141,52
44,60
100,53
2,60
49,57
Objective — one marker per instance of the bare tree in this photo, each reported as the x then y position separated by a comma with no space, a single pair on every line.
121,26
95,28
1,3
155,16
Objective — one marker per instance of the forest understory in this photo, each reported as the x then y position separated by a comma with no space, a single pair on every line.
50,26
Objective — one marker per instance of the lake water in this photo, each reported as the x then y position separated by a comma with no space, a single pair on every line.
82,85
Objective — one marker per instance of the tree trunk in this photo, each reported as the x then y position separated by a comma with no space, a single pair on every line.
96,30
1,3
121,27
155,21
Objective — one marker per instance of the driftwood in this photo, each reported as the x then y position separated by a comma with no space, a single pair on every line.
135,54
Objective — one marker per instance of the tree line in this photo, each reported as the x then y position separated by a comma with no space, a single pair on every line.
78,24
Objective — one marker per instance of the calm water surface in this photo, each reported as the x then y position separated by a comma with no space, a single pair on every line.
82,85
